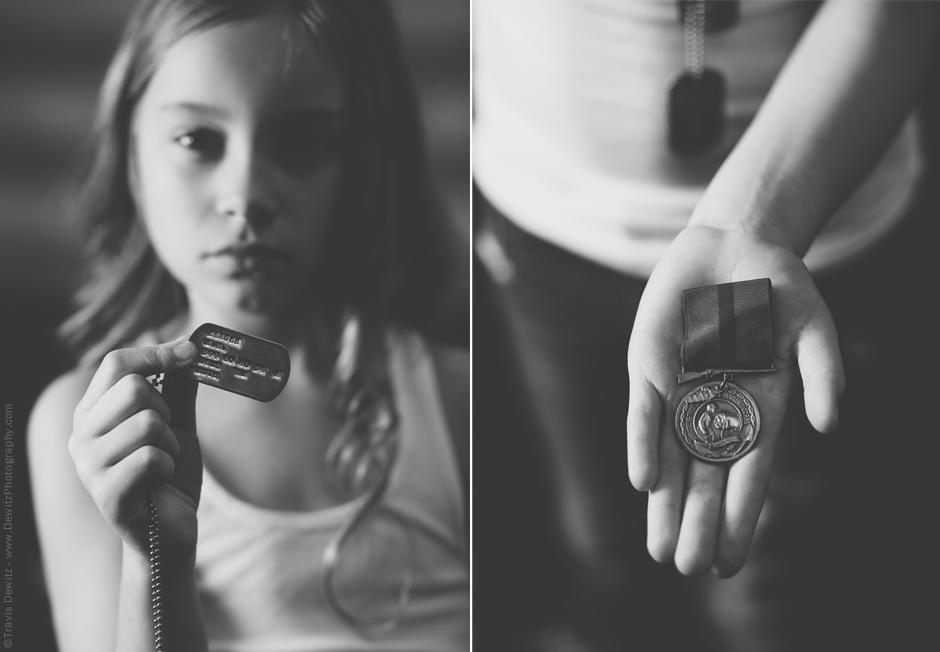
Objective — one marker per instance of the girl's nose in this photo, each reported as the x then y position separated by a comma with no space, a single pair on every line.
244,193
246,209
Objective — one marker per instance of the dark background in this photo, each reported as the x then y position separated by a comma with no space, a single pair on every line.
53,55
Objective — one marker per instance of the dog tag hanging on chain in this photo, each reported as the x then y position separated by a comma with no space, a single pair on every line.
727,331
697,99
236,362
696,113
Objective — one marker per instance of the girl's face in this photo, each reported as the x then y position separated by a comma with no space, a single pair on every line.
235,160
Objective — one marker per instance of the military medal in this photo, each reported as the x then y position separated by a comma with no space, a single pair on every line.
727,332
697,99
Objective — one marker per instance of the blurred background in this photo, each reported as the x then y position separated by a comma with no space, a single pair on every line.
53,55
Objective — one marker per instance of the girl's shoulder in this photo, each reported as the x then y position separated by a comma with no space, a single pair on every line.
48,430
74,538
51,415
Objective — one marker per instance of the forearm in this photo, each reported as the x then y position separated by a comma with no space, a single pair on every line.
830,115
183,625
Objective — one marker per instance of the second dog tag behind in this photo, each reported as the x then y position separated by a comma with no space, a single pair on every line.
239,363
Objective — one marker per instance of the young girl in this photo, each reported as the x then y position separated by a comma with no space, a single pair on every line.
258,165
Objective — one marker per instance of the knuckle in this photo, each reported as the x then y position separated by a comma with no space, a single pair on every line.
671,466
82,468
154,462
709,488
81,455
111,498
148,458
150,422
73,445
77,418
111,361
134,388
83,465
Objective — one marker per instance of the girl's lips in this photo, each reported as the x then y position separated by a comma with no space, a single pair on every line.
255,250
240,261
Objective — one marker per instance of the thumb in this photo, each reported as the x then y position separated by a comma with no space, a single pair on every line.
143,360
820,363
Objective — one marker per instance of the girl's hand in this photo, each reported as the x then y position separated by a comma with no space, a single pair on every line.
122,442
703,515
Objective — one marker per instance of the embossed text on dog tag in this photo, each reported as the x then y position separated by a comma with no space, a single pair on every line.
239,363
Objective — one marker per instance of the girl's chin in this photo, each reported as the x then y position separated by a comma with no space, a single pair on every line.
252,293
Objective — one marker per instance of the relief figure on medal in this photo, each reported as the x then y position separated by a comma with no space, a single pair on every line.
717,424
718,427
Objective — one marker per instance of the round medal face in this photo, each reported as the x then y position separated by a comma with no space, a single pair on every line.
718,424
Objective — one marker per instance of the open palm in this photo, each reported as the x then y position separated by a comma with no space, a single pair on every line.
701,514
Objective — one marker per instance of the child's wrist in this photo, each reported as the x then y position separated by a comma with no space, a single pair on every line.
779,232
172,567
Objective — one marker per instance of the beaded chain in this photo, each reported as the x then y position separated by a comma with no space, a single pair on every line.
156,579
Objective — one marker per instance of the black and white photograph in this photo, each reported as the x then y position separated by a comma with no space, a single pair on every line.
451,325
705,275
236,247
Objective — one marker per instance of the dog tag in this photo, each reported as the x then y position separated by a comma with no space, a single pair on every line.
239,363
696,113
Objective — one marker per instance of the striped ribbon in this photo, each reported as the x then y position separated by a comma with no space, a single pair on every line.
727,326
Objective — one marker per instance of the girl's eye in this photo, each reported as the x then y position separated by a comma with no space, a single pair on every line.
204,142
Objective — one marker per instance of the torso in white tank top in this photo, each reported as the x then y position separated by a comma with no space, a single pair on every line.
570,120
260,573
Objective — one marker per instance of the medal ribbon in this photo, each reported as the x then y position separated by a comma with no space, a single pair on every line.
727,328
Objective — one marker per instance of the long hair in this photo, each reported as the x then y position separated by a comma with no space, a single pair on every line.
385,261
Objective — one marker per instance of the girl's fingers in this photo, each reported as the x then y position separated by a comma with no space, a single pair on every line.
145,361
820,362
148,465
705,492
128,396
664,511
146,428
644,416
746,489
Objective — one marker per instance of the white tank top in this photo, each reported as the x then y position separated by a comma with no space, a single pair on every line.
260,574
570,119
